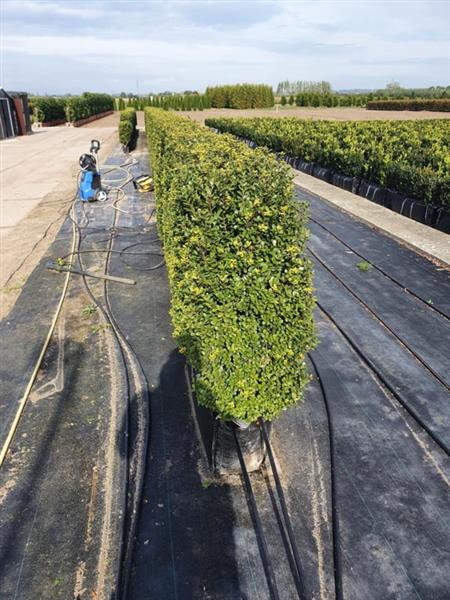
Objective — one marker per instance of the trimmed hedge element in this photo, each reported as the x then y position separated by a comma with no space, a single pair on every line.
191,101
411,157
329,100
440,105
245,95
127,128
87,105
234,243
46,109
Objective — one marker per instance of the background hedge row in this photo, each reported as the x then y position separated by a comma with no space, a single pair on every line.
45,109
127,127
442,105
81,107
412,157
329,100
72,108
234,242
244,95
174,102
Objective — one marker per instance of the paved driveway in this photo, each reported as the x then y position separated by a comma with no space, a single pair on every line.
37,182
35,165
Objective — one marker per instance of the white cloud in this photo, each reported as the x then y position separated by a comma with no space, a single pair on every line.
176,47
38,7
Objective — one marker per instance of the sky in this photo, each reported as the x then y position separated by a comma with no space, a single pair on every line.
57,47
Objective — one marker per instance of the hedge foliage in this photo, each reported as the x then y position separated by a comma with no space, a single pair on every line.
441,105
191,101
330,100
72,108
81,107
234,244
245,95
45,108
181,102
127,127
412,157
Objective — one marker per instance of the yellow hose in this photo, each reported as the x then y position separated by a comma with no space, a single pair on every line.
37,366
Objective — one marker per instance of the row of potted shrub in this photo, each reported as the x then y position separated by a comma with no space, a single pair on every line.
175,102
410,157
72,108
433,104
47,110
241,285
243,95
128,128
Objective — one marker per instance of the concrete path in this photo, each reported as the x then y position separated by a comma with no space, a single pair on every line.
37,183
33,166
429,242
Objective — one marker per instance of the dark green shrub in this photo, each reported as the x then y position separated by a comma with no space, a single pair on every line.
283,101
81,107
127,127
442,105
243,95
408,156
47,109
234,244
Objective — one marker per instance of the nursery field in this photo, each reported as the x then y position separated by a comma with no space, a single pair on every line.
244,396
411,157
334,114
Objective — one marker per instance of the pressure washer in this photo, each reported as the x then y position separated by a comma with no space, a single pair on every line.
90,185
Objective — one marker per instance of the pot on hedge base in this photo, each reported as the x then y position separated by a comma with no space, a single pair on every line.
225,453
219,439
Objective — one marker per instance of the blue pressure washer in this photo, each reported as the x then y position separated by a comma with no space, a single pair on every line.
90,186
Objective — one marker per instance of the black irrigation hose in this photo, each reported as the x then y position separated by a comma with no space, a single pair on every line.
270,576
337,559
124,252
127,540
117,231
284,509
124,367
142,424
127,552
121,253
393,279
388,327
398,395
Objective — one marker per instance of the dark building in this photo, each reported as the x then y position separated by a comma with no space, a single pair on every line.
14,114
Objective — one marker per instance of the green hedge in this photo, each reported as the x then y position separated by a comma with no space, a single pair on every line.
190,101
411,157
181,102
234,244
441,105
329,100
127,127
81,107
46,109
243,95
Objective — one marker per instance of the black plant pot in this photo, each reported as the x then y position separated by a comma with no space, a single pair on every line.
323,173
349,184
423,213
222,440
372,192
229,438
305,167
442,221
394,200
